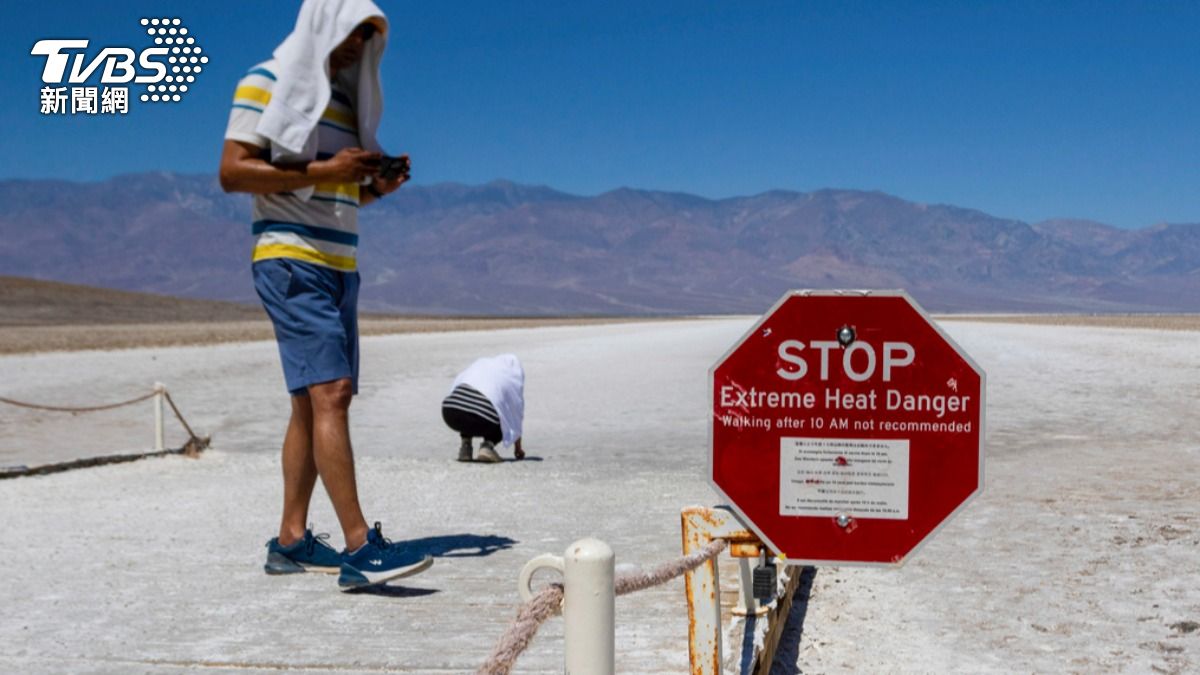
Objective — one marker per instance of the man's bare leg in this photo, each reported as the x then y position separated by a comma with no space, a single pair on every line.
334,458
299,471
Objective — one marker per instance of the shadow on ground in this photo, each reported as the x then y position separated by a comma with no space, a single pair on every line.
385,591
461,545
509,460
787,654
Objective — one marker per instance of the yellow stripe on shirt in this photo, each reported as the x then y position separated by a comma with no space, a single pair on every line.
248,93
263,97
343,118
345,189
341,263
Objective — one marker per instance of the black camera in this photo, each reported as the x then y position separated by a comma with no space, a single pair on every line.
391,168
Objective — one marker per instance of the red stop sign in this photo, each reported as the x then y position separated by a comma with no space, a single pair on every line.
846,427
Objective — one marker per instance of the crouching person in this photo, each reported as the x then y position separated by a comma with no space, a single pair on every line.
487,400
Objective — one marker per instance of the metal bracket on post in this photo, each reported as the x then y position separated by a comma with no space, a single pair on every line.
748,605
701,525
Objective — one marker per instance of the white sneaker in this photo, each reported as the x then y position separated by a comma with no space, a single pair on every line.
487,453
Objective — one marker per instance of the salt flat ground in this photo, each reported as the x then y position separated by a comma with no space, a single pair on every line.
1082,555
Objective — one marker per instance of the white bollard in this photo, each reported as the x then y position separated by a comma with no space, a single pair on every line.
159,440
589,604
589,608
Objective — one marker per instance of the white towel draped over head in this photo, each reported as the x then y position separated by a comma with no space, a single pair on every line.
302,87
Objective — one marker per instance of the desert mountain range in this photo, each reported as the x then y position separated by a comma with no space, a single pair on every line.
504,248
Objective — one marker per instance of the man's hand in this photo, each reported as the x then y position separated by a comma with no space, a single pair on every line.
349,165
385,187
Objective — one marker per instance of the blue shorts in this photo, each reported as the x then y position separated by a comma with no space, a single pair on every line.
315,312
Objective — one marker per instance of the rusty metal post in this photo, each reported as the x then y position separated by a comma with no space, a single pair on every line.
701,525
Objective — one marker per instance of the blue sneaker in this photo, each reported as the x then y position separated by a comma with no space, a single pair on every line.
380,560
310,554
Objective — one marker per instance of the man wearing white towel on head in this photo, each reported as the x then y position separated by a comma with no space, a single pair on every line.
487,400
301,139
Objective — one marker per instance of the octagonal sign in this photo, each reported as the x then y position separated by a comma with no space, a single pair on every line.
846,427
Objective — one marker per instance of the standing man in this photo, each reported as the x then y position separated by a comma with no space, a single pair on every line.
301,139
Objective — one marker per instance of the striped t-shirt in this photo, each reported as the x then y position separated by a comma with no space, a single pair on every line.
324,228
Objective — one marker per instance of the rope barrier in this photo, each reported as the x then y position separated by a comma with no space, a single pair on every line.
548,602
55,408
530,617
193,440
192,448
636,581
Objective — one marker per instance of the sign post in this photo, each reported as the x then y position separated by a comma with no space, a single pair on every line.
846,427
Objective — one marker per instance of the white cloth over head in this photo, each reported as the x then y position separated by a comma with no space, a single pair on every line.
302,91
502,380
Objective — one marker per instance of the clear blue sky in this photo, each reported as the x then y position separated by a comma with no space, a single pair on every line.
1029,110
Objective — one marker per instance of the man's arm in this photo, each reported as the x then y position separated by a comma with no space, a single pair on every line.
242,170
